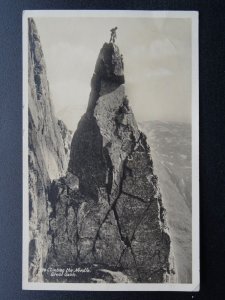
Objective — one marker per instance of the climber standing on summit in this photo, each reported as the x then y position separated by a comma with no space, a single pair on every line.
113,35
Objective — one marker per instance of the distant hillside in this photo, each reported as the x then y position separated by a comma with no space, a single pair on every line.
171,152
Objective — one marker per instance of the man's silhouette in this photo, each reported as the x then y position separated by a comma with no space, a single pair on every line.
113,35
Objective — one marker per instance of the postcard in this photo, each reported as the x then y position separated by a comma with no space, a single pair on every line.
110,150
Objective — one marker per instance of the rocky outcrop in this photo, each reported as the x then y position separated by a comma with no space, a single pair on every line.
107,211
66,135
48,159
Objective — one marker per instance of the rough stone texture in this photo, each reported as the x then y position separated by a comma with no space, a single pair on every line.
47,159
111,212
67,138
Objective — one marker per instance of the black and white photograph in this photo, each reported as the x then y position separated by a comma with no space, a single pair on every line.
110,150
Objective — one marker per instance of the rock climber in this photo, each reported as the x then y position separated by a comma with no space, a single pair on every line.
122,117
122,61
113,35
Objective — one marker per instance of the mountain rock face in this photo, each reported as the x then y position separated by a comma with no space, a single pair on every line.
48,154
66,135
107,210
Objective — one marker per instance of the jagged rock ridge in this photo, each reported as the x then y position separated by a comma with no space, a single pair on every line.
107,210
48,153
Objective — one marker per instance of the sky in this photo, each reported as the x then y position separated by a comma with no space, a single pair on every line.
157,64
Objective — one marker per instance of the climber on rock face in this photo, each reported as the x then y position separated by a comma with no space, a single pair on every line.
122,61
113,35
126,102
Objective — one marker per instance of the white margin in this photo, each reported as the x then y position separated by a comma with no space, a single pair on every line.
25,225
195,158
195,285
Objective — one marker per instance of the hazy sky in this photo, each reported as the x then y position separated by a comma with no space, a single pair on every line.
157,62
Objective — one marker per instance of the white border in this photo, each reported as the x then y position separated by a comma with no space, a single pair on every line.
195,285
